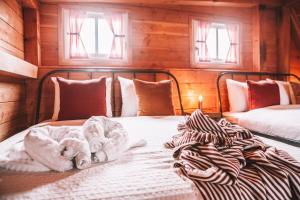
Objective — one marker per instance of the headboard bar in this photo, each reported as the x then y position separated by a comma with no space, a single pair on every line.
113,71
247,74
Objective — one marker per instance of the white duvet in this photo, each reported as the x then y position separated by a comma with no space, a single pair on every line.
280,120
140,173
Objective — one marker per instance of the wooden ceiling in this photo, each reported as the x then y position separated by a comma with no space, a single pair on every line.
231,3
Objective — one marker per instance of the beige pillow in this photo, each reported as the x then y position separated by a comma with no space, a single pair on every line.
284,91
154,98
295,92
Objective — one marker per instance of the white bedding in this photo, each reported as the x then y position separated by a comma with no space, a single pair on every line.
142,173
279,120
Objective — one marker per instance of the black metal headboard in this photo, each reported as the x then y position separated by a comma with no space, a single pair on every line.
247,74
112,71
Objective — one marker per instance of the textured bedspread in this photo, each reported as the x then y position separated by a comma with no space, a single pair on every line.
279,120
226,161
141,173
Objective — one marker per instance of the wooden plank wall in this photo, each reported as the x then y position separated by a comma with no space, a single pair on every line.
12,90
160,39
294,60
295,50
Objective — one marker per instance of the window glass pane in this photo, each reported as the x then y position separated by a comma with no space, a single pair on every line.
212,43
224,43
105,37
87,35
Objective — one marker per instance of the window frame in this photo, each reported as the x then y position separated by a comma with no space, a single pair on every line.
213,65
62,52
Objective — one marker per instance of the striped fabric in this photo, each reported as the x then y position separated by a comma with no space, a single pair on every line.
227,162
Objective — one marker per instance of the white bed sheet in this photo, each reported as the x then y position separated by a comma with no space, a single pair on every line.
142,173
279,120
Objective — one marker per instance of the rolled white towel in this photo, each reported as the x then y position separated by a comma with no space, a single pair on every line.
78,149
17,159
93,130
45,150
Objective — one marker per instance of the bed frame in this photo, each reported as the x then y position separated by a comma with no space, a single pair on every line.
261,75
112,72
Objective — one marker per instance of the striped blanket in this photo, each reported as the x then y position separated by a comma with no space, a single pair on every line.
227,162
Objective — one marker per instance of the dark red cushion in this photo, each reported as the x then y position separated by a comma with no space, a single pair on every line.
81,99
262,94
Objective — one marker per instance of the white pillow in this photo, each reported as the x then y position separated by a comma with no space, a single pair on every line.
237,95
57,98
108,97
284,91
129,98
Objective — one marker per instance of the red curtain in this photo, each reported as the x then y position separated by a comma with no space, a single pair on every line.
233,33
76,20
203,30
115,21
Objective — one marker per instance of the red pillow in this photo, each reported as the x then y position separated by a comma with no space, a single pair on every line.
262,94
81,99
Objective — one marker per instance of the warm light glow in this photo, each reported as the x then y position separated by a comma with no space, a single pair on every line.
200,98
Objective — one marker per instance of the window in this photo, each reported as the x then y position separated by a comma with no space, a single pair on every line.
94,36
216,43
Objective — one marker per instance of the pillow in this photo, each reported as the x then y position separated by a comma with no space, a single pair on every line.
76,99
284,91
295,92
108,97
262,94
237,95
154,98
57,98
129,98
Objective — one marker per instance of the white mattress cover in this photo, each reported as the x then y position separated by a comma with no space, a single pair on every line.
279,120
142,173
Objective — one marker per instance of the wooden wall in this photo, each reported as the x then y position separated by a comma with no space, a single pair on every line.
12,90
160,39
295,60
295,49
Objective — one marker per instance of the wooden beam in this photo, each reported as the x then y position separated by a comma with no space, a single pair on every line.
256,39
30,4
14,66
230,3
296,27
32,36
284,41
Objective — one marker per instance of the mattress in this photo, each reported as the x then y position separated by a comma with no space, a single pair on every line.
281,121
142,173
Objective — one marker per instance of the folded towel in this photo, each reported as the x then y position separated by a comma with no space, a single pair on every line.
107,138
55,148
46,150
78,149
17,159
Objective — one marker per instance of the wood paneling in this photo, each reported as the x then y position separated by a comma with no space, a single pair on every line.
229,3
32,36
12,90
12,106
11,28
160,39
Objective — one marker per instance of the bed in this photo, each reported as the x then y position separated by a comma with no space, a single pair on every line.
278,122
141,173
